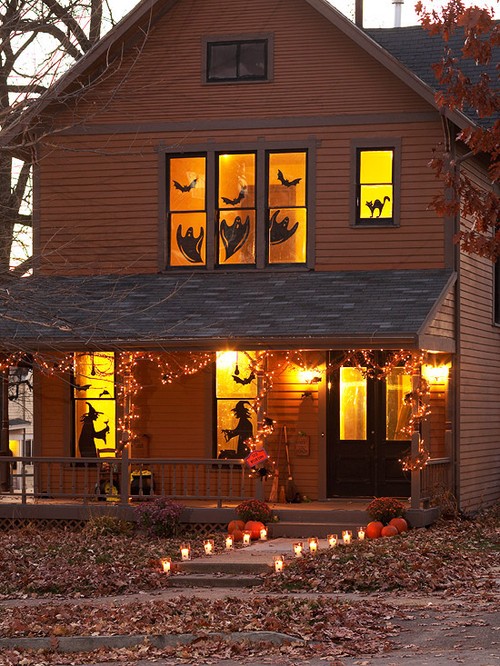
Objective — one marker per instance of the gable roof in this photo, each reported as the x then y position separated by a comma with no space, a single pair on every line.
247,310
147,12
418,51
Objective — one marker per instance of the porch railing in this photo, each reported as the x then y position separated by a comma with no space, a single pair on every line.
436,478
120,479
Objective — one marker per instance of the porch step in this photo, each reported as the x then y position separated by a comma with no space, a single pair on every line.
304,530
209,580
305,522
221,565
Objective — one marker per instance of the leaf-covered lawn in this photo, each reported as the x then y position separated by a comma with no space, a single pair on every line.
451,557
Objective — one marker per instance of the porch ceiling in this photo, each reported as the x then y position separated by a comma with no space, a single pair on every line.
201,310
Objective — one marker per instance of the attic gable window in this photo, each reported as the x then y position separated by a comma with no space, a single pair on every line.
241,60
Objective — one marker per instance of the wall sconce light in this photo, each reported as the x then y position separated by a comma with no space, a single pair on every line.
309,377
436,374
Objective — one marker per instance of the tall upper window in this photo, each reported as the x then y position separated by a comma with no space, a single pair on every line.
217,217
375,186
244,60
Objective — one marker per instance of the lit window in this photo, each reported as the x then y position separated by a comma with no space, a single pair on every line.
236,389
94,404
244,60
353,400
398,387
375,186
248,228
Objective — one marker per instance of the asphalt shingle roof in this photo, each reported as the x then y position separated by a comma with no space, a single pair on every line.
203,309
418,51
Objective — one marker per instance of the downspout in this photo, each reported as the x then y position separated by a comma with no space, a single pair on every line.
5,478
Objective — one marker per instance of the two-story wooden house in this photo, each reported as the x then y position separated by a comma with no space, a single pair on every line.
233,226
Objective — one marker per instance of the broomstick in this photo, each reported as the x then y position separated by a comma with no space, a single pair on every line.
273,495
291,491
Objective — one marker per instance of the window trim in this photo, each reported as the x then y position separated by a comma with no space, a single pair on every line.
268,38
388,143
261,148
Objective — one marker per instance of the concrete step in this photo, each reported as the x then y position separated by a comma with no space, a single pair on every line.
302,515
304,530
221,565
208,580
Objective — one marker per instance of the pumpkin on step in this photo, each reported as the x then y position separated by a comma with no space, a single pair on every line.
400,524
389,530
237,536
374,529
254,527
236,525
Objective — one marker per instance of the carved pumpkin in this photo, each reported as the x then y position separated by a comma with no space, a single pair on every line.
254,527
236,525
374,529
400,524
389,530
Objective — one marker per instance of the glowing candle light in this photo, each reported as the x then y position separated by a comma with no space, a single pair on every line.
263,534
185,552
247,537
279,563
361,533
209,546
166,564
313,545
346,536
333,540
297,548
229,542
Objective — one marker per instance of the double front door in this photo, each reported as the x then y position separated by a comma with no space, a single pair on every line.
366,436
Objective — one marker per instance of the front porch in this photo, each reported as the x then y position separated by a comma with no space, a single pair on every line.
71,491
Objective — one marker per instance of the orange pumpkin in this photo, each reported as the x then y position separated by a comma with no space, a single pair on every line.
254,527
374,529
389,530
400,524
237,536
236,525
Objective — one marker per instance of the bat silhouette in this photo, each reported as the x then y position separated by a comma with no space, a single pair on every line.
190,245
105,392
240,197
285,182
279,231
247,380
81,387
234,236
185,188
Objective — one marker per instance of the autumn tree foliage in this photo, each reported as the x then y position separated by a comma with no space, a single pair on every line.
39,39
464,85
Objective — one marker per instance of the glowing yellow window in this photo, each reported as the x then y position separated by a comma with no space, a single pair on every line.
375,197
236,208
353,395
398,405
287,211
187,211
94,403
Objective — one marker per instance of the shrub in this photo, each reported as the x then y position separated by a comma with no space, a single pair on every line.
385,508
98,526
160,517
254,510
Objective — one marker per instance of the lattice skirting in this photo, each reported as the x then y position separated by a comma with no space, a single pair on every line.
193,529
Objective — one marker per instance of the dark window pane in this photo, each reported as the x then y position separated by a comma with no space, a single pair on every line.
252,60
222,61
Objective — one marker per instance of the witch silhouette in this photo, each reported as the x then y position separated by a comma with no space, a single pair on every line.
88,434
244,429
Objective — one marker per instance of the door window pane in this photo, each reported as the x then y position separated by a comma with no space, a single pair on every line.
398,409
352,404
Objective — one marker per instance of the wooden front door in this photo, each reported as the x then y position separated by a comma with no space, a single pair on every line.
365,436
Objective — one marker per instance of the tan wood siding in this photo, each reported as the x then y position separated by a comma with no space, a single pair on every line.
443,324
479,386
317,69
99,203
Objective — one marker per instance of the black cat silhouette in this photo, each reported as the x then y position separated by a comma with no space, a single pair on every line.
377,205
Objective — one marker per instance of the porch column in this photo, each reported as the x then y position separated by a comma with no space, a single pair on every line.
415,443
5,467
